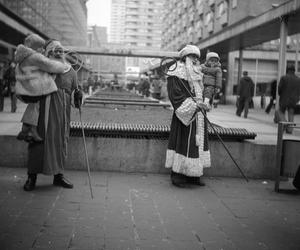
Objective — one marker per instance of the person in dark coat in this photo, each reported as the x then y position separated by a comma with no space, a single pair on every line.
3,87
289,93
272,97
10,79
245,94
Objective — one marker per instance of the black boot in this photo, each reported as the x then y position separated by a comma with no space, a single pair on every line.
30,183
24,132
60,180
178,180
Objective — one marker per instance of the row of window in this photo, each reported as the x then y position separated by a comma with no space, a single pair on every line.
137,2
129,23
192,13
141,44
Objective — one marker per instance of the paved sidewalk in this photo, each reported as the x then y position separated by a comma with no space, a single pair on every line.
135,211
258,121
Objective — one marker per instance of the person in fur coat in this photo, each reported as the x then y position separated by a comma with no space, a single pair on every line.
34,79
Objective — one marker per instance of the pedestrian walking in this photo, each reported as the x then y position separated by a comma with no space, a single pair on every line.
272,97
245,94
187,153
144,86
289,93
155,88
10,82
3,87
49,157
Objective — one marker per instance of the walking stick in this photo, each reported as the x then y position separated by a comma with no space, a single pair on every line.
218,136
86,154
79,62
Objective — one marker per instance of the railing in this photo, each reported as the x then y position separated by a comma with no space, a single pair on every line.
92,103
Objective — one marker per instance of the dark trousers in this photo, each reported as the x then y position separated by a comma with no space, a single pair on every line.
243,104
291,112
13,99
1,102
270,105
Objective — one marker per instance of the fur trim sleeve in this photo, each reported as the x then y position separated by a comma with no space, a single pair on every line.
47,65
186,111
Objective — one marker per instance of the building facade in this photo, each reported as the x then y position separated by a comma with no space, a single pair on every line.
138,25
34,12
192,21
117,21
63,20
70,18
105,68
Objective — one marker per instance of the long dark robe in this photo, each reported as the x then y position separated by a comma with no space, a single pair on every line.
186,154
50,156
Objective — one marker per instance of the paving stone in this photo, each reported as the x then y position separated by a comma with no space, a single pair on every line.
137,211
119,244
88,243
51,242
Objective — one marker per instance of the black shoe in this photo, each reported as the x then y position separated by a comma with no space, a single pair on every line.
30,183
60,180
196,181
178,180
22,136
179,184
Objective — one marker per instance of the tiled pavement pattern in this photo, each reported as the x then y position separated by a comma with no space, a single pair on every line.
136,211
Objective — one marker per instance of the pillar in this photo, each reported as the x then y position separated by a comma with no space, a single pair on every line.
297,53
240,66
282,54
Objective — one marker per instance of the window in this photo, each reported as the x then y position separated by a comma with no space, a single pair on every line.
223,12
234,4
221,9
208,18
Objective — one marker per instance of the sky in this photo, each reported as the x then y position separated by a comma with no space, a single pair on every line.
98,12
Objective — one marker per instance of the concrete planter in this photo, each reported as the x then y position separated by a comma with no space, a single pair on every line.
148,156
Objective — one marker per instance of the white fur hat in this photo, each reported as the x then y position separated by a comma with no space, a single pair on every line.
188,50
34,41
212,55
